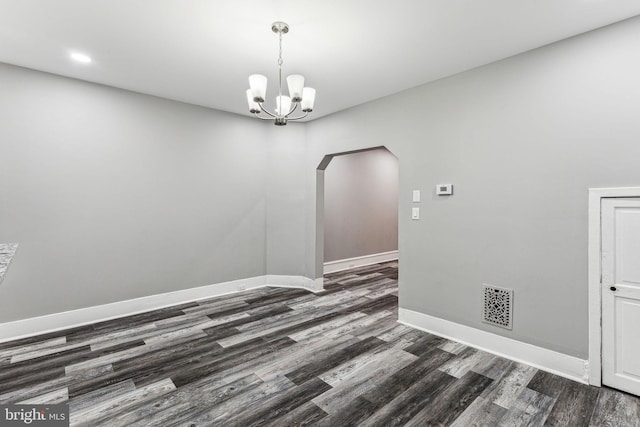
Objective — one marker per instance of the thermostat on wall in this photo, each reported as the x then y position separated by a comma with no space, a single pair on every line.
444,189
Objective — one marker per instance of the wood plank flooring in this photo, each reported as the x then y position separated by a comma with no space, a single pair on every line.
278,357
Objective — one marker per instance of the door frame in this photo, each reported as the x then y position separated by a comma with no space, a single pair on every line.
595,273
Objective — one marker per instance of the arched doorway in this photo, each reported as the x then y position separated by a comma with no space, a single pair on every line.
356,209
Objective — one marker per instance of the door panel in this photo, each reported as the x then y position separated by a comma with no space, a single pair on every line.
628,246
628,313
621,294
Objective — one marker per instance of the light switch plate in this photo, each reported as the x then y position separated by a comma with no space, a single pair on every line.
415,213
416,196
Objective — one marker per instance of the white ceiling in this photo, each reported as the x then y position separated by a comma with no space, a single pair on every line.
351,51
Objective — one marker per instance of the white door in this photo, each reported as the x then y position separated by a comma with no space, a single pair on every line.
621,294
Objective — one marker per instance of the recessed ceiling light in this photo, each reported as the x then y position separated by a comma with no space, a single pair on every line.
81,58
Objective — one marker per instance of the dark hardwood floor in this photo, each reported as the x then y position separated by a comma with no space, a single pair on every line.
291,357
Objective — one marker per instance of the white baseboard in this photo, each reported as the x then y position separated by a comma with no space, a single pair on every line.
313,285
561,364
345,264
84,316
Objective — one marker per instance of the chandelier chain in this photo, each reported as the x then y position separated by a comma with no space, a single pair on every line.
280,61
280,52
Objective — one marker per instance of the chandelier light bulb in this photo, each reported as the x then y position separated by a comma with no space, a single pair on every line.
283,105
295,83
253,105
308,99
258,85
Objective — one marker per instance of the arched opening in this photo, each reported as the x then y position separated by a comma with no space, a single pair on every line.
356,209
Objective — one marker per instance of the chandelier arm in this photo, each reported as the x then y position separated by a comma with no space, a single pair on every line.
295,105
265,111
261,118
297,118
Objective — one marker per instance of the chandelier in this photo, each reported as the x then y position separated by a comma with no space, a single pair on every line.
299,96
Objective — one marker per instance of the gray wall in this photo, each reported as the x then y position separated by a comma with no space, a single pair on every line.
360,205
522,140
114,195
286,198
